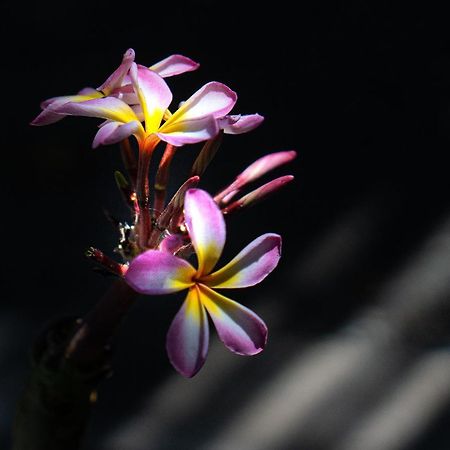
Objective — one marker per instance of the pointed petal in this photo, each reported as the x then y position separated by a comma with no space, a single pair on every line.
105,108
86,93
153,93
65,98
250,266
206,228
213,99
188,336
48,115
188,131
174,65
114,132
239,328
115,79
154,273
240,124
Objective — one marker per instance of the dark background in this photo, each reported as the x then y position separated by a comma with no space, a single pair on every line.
358,354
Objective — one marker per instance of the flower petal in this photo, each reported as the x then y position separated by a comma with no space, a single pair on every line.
91,92
48,115
188,336
250,266
114,132
213,99
85,94
105,108
153,93
174,65
240,124
154,273
126,93
171,243
239,328
189,131
115,79
206,228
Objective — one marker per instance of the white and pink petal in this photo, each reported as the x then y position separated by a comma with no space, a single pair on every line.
116,78
240,124
104,108
113,132
206,228
188,131
153,93
250,266
213,99
171,243
174,65
154,273
188,336
50,113
240,329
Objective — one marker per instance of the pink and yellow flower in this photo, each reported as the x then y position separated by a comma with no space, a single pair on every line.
117,84
196,120
158,272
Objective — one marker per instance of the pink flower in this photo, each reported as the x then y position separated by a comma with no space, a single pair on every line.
117,84
194,121
158,272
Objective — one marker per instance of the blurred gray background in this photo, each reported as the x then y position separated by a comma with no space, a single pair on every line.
358,309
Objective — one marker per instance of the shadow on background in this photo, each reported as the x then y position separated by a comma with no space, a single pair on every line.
358,310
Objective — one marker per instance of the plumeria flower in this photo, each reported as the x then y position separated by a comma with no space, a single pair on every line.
117,84
159,272
194,121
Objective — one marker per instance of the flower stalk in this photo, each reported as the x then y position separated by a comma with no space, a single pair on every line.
144,223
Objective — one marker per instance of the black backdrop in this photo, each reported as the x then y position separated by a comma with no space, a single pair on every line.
360,89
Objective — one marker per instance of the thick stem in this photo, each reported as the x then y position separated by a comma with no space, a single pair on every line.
55,407
69,360
96,330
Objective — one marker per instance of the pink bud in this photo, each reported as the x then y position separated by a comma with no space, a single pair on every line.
258,194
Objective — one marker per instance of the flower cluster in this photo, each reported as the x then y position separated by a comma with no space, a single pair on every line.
134,101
